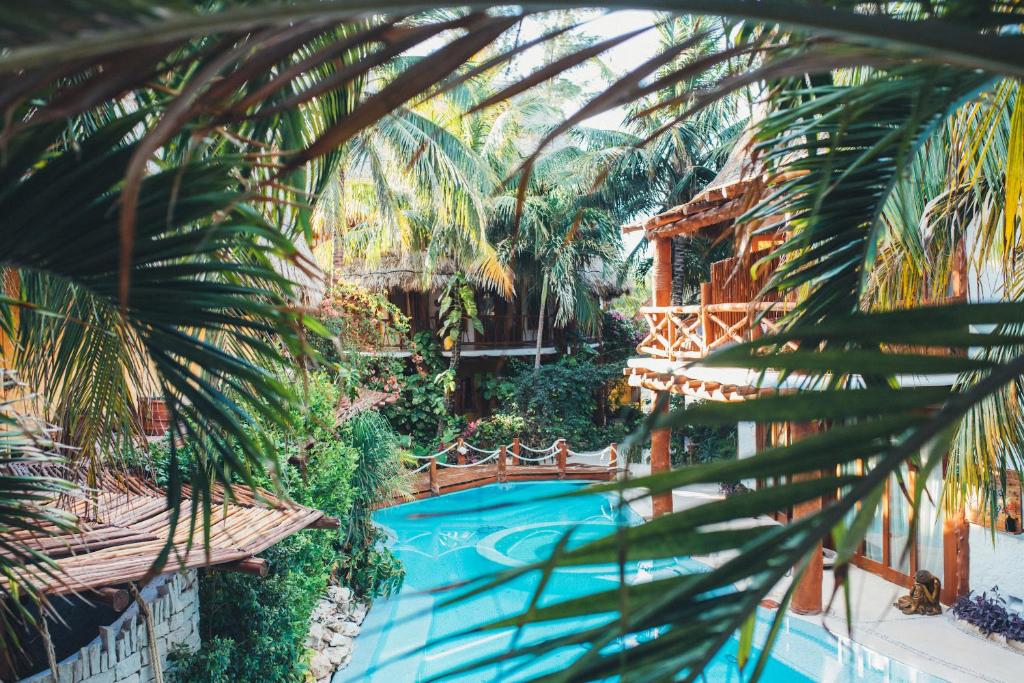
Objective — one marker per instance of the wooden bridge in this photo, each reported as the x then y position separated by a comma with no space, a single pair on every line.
514,462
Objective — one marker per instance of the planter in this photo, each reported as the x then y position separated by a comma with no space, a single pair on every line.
156,418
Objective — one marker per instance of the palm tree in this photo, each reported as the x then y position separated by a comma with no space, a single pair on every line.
919,65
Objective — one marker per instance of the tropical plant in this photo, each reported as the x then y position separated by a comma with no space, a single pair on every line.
918,64
456,312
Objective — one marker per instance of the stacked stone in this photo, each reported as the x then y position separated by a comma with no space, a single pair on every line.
334,624
121,652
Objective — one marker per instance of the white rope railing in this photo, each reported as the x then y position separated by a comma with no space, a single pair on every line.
469,464
552,447
479,450
435,455
602,455
558,452
542,458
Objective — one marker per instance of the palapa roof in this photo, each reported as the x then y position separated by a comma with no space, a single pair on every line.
411,273
123,526
407,272
733,192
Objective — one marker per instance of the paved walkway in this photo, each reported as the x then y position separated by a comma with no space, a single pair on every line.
934,645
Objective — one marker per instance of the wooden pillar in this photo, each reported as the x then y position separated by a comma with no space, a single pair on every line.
434,489
502,454
562,455
460,455
661,461
956,549
613,459
705,317
515,451
956,557
661,291
807,596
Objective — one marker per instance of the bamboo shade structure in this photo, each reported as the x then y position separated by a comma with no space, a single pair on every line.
124,524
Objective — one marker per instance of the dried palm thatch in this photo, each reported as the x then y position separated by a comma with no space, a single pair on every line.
123,528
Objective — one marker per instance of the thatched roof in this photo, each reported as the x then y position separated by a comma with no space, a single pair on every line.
735,190
124,524
410,273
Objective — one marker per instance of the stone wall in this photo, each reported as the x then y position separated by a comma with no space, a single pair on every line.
334,624
120,654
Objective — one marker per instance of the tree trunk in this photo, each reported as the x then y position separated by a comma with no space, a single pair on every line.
453,369
540,321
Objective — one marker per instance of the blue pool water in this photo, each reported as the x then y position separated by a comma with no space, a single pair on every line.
439,551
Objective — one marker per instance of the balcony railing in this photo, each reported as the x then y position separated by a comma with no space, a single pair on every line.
692,332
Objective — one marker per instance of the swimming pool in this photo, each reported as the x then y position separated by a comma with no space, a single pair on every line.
438,551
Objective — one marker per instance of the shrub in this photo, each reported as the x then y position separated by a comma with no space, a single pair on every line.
498,429
421,406
619,337
989,614
254,628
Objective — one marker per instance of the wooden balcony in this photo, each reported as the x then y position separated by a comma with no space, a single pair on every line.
692,332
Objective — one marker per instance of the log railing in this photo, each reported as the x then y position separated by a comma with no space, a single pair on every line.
692,332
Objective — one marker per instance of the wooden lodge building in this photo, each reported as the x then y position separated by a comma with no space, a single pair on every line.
510,325
959,552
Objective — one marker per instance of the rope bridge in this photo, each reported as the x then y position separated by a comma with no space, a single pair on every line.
508,462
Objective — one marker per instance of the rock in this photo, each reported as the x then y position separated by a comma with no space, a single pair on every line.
335,624
316,634
338,640
349,629
358,613
320,666
337,655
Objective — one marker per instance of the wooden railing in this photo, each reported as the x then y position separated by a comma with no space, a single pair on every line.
692,332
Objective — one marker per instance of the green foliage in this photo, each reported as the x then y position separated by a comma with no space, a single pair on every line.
498,429
211,664
619,337
421,406
254,628
566,399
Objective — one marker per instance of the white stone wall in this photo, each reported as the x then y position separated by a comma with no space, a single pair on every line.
997,565
120,654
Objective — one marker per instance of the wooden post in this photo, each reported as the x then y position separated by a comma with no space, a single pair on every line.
662,272
502,475
434,489
956,557
613,460
661,461
705,317
460,456
562,454
515,451
807,596
115,598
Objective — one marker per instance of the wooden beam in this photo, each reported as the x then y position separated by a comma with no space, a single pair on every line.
326,522
116,599
256,566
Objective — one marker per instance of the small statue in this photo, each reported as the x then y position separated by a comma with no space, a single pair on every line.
924,596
